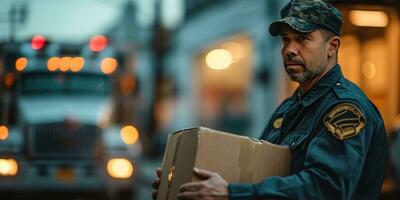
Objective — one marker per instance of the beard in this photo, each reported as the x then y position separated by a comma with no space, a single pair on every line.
303,74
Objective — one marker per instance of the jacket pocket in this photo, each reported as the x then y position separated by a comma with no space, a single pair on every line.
294,139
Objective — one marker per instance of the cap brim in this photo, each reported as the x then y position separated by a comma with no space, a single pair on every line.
297,24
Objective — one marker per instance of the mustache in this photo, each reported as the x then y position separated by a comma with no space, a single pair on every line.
293,61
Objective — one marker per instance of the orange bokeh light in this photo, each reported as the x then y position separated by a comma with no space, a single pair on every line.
108,65
3,132
9,80
8,167
369,18
129,134
21,64
53,63
127,84
120,168
77,64
65,64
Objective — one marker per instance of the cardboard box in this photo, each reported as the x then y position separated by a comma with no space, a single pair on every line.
235,158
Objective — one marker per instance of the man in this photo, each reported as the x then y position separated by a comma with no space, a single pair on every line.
336,134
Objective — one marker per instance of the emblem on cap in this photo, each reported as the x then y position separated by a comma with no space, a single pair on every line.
278,123
344,121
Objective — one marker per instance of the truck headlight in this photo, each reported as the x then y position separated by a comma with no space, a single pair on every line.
120,168
8,167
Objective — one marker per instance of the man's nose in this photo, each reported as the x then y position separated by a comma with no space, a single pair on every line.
290,50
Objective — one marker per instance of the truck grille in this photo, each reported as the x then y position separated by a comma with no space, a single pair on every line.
64,140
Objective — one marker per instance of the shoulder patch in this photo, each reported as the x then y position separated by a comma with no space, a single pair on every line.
344,121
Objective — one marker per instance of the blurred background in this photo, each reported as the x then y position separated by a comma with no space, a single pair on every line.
90,89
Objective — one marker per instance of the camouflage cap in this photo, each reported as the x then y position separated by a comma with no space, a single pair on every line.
308,15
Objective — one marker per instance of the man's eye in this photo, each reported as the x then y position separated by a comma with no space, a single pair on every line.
303,38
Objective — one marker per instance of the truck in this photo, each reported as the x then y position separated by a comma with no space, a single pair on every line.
57,134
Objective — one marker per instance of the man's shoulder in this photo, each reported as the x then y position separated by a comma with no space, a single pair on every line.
345,89
349,110
347,92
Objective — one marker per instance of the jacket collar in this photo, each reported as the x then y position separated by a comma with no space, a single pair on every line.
322,87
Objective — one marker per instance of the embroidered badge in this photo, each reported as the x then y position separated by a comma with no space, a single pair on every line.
344,121
278,123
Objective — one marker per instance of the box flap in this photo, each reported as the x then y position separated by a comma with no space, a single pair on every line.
167,166
183,161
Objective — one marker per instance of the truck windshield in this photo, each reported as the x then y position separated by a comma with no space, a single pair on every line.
64,83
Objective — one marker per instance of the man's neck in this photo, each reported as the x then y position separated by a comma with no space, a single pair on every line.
307,85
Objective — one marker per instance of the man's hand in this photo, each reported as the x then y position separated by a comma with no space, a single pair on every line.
156,183
213,187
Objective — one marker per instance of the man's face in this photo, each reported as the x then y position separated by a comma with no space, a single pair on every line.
304,54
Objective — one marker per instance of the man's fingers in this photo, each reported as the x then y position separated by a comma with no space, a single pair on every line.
187,195
156,184
193,186
158,172
154,194
204,174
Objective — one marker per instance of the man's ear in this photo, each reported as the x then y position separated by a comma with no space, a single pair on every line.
333,46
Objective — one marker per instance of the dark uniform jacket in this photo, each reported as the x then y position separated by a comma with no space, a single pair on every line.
338,141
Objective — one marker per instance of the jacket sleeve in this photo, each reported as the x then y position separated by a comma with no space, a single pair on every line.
332,168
